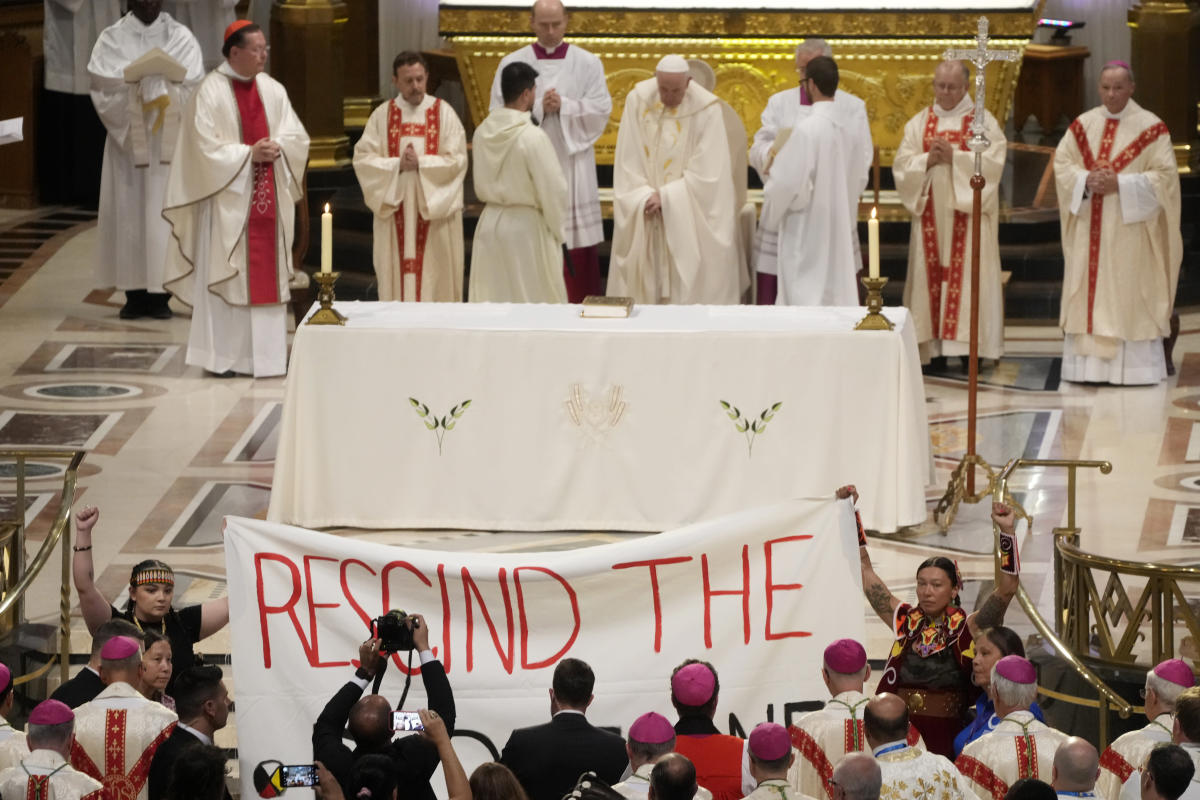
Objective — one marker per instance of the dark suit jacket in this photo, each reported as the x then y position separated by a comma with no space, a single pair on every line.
81,689
416,757
548,759
165,757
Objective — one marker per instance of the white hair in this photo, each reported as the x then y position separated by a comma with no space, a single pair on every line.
1110,65
1011,693
815,45
1166,691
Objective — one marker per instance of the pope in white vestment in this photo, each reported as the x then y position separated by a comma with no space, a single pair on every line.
1119,201
231,196
783,111
808,199
517,253
410,163
933,170
142,118
572,105
207,20
674,238
1019,747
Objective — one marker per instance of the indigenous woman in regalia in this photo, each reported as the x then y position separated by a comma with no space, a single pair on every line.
151,590
930,663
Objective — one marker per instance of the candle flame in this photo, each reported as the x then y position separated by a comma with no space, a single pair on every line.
873,210
327,208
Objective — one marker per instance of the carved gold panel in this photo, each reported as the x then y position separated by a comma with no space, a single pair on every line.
893,76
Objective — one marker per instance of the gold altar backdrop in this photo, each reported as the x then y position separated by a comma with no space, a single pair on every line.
892,71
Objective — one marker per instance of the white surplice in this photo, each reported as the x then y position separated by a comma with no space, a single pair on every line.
70,31
430,270
578,77
1127,754
1116,311
207,19
782,112
939,292
809,193
139,147
911,773
1019,747
209,192
516,256
1132,788
13,746
688,253
65,782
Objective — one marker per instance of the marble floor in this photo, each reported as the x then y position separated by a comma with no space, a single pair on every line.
172,450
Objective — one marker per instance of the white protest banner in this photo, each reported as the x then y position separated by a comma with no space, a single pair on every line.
759,594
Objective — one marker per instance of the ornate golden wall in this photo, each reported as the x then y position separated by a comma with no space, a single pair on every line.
755,59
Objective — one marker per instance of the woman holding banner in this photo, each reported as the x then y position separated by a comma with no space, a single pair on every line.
151,588
930,663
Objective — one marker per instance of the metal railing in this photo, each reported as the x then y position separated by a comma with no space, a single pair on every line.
12,554
1106,698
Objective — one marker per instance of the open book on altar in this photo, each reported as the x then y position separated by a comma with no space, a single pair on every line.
155,62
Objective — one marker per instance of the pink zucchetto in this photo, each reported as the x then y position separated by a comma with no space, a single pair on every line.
5,677
51,712
651,728
1176,671
769,741
845,656
119,647
693,685
1016,669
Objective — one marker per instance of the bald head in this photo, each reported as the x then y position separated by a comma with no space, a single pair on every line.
1076,766
673,778
885,719
548,19
370,721
859,777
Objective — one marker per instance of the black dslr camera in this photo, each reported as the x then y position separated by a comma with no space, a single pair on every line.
394,631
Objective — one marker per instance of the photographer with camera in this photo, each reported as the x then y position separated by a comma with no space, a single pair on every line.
370,718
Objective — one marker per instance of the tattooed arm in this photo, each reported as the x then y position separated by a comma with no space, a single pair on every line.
878,595
991,613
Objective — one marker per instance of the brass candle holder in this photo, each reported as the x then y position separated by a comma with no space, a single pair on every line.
326,314
874,320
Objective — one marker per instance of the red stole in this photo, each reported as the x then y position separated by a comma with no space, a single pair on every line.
261,233
397,129
118,785
935,268
1103,159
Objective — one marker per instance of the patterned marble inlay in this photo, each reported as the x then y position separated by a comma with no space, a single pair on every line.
259,442
200,523
33,469
82,391
122,357
34,503
50,429
999,436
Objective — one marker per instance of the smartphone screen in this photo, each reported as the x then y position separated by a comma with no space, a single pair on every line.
298,775
406,721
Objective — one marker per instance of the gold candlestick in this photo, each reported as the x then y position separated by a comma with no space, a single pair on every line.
874,320
326,314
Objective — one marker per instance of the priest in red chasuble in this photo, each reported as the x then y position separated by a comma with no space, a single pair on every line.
933,170
410,162
1119,202
236,178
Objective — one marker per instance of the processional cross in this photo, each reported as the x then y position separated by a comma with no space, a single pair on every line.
979,58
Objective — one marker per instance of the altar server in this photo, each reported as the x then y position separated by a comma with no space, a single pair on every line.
517,253
1020,746
236,178
1119,201
933,170
674,238
410,162
207,19
908,771
43,773
785,109
142,119
70,137
812,202
1128,751
572,105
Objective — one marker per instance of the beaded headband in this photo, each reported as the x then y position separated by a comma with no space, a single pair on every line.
153,575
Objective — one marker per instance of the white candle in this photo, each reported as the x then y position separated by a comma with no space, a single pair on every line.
873,245
326,240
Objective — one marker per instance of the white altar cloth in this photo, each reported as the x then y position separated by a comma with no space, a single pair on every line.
595,424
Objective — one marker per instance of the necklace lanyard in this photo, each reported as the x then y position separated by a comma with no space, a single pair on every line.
162,624
890,748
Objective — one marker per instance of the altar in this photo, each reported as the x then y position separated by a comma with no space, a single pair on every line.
529,417
886,49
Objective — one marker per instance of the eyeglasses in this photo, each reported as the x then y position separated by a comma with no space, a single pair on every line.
258,51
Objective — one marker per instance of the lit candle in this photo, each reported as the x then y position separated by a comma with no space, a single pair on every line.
326,240
873,245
